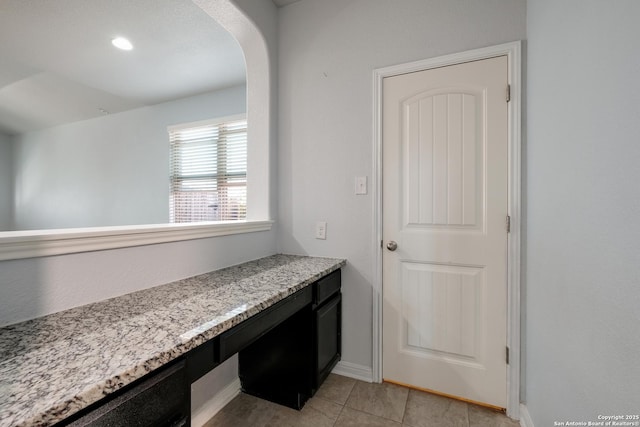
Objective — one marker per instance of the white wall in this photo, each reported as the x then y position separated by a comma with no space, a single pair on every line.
583,206
112,170
6,182
328,51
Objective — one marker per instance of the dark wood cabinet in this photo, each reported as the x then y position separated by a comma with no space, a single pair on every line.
160,399
328,340
277,367
327,326
288,364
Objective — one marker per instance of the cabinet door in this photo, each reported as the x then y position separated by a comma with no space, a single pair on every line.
329,341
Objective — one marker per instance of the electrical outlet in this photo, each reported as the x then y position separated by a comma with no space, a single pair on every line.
321,230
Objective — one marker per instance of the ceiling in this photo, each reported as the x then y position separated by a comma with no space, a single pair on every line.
57,64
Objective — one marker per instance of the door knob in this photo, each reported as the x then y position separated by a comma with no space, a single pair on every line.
392,246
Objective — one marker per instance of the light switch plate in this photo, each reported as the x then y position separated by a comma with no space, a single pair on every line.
361,185
321,230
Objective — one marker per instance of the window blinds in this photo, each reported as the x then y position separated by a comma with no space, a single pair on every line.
208,172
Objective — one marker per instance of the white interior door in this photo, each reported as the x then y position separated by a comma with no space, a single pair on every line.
445,177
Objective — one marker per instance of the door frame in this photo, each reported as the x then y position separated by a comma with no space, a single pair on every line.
513,52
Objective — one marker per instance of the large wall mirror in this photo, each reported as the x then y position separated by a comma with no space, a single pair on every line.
83,124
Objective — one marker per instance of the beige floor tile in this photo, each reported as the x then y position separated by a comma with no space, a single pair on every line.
481,417
315,413
383,400
352,418
244,411
336,388
430,410
329,409
366,405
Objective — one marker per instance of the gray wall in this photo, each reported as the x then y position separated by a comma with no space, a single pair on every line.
6,182
112,170
328,51
583,205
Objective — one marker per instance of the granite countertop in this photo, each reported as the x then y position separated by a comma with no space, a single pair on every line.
53,366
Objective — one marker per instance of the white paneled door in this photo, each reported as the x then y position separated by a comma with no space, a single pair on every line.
445,176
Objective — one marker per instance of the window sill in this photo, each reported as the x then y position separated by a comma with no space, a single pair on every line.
39,243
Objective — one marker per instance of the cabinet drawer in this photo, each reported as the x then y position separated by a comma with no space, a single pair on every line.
160,400
327,286
253,328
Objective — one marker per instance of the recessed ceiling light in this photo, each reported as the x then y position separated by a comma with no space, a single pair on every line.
122,43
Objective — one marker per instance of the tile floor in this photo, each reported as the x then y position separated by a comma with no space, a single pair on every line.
343,401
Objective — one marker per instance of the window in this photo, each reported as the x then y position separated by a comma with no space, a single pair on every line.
208,171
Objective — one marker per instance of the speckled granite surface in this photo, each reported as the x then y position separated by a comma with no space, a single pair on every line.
53,366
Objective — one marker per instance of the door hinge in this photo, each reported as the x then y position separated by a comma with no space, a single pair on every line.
508,93
508,224
507,355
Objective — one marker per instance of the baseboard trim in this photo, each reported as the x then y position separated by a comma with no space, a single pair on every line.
525,417
354,370
215,404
